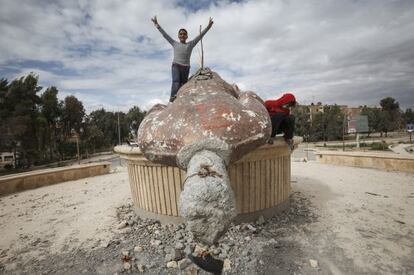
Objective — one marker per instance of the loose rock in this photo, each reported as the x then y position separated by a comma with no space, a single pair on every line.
191,271
199,249
313,263
179,245
127,266
246,253
122,225
125,253
177,255
188,250
182,264
251,228
260,220
226,265
141,267
172,264
156,242
216,251
138,248
126,230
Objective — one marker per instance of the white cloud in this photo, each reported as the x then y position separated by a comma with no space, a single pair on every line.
348,52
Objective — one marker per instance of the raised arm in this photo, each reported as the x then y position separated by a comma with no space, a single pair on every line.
198,38
166,36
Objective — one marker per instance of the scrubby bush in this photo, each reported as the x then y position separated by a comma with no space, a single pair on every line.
379,146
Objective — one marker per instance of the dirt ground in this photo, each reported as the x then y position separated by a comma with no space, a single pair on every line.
341,220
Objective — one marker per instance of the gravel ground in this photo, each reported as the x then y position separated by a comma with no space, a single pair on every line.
341,220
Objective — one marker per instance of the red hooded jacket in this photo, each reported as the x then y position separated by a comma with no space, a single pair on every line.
280,105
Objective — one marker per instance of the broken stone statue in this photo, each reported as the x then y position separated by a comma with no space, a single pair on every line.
210,125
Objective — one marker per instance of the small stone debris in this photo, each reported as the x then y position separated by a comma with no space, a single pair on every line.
313,263
216,251
199,249
260,220
223,254
162,248
272,241
105,243
251,228
125,253
184,263
188,250
179,235
141,267
156,242
127,266
172,264
126,230
245,253
179,245
173,255
226,265
191,271
122,225
138,248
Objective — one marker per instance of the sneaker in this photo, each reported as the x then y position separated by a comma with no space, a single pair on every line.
207,263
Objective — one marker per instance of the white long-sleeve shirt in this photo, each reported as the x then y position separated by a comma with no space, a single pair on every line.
182,51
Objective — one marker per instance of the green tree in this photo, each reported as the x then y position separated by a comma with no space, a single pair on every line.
94,138
327,125
51,110
389,104
72,115
19,116
5,137
408,116
302,121
318,128
392,116
385,122
334,122
107,122
133,120
373,121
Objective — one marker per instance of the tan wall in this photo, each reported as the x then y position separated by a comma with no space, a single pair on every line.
260,180
30,180
388,162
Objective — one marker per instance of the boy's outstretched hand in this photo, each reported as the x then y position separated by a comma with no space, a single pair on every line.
154,20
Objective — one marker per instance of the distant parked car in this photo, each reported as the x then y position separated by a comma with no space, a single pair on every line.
6,160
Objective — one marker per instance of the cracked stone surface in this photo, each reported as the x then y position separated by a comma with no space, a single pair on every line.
207,198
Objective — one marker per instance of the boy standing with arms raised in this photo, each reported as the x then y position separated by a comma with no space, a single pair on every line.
182,52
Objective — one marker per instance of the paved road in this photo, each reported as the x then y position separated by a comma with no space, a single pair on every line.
304,150
402,149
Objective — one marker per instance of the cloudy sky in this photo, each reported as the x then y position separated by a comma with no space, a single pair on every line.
108,53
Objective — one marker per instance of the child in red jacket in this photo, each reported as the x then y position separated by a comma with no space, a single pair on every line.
282,120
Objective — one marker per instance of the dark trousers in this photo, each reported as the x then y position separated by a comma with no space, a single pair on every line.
179,78
282,123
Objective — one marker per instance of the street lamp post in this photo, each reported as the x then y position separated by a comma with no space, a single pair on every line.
77,146
119,131
76,134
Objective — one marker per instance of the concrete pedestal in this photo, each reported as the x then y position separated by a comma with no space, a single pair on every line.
260,181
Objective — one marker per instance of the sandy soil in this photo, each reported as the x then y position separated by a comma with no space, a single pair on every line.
61,216
349,220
